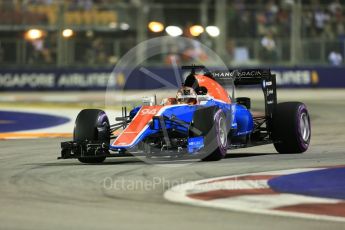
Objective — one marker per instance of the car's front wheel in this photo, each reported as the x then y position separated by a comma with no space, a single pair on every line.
212,123
92,125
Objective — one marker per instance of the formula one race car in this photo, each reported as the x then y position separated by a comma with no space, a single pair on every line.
201,121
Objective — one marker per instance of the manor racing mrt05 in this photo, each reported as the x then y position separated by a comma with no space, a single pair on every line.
201,121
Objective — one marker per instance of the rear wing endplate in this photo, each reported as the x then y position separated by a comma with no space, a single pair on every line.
261,77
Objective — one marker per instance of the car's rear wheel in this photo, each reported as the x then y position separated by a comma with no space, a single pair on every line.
93,125
291,127
212,123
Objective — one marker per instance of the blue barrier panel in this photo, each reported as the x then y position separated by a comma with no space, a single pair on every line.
308,77
18,121
150,78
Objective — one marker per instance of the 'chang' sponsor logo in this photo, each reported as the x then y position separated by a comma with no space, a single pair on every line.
236,74
224,74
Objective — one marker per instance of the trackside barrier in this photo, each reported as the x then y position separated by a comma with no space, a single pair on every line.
150,78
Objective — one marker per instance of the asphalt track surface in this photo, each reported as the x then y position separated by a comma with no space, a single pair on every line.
39,192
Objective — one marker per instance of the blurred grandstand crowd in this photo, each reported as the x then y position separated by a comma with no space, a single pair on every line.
38,12
99,32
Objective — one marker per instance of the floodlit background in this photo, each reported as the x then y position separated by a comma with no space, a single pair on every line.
58,57
96,33
68,54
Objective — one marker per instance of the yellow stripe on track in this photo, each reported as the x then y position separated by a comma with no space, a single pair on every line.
6,136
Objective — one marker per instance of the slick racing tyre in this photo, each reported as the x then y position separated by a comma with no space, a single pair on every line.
91,124
212,123
291,127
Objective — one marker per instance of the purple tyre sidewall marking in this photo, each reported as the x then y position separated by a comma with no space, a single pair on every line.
303,144
103,121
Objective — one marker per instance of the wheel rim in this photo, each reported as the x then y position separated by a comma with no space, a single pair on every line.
222,132
304,127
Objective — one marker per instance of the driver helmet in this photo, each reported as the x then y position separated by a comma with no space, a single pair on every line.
186,95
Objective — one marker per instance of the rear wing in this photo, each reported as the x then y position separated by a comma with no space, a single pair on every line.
265,79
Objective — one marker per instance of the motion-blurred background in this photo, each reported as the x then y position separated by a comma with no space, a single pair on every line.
39,38
50,46
96,33
57,57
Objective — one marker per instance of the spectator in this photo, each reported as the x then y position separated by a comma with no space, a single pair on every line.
320,18
261,24
335,7
308,23
39,54
230,48
283,21
271,12
335,58
194,53
269,49
173,56
97,53
244,24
